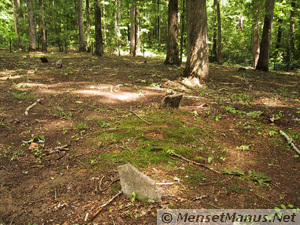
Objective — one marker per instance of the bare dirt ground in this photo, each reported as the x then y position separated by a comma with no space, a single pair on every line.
58,164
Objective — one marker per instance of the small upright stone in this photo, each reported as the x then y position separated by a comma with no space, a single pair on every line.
171,101
58,63
133,181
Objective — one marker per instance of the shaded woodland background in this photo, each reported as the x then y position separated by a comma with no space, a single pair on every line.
141,27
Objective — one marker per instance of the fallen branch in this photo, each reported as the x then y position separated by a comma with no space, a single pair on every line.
195,163
290,141
31,106
140,117
101,208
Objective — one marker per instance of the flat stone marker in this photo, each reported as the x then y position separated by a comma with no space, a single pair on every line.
143,186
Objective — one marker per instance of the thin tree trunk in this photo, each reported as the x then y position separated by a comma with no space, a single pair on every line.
137,29
255,34
263,61
291,47
132,31
32,41
172,45
158,22
104,23
88,26
117,25
219,40
98,31
43,30
16,5
80,26
197,47
182,29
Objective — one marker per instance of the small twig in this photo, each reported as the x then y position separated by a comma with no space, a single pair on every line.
102,206
31,106
140,117
290,141
195,163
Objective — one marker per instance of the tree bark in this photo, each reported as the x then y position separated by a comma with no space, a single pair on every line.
98,31
16,5
80,26
132,31
219,40
43,30
88,26
197,64
263,61
32,41
291,46
104,23
182,29
172,45
255,34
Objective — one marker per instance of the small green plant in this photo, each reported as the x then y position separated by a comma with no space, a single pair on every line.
235,173
38,154
244,147
102,124
255,114
81,125
277,116
233,110
218,117
59,112
260,178
23,95
272,133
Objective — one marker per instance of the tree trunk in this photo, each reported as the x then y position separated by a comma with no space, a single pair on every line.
43,30
132,31
263,61
80,26
255,34
88,26
137,30
104,23
219,40
172,45
182,29
197,64
117,25
291,46
98,31
32,41
16,5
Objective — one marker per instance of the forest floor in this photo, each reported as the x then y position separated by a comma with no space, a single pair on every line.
59,163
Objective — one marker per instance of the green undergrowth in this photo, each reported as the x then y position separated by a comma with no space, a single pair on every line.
132,140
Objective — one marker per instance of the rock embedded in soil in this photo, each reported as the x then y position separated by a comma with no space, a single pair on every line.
171,101
58,63
133,181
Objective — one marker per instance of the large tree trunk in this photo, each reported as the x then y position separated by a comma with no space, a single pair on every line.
16,5
197,64
98,31
132,31
43,30
32,41
263,61
88,26
80,26
104,23
172,45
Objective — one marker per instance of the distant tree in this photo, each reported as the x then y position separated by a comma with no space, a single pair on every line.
43,30
219,39
182,30
81,26
255,32
16,5
291,47
133,30
98,30
32,41
264,55
88,26
197,64
172,44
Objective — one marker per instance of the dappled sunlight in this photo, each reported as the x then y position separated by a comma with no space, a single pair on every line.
271,102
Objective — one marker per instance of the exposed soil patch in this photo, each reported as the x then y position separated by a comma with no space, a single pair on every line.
84,127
